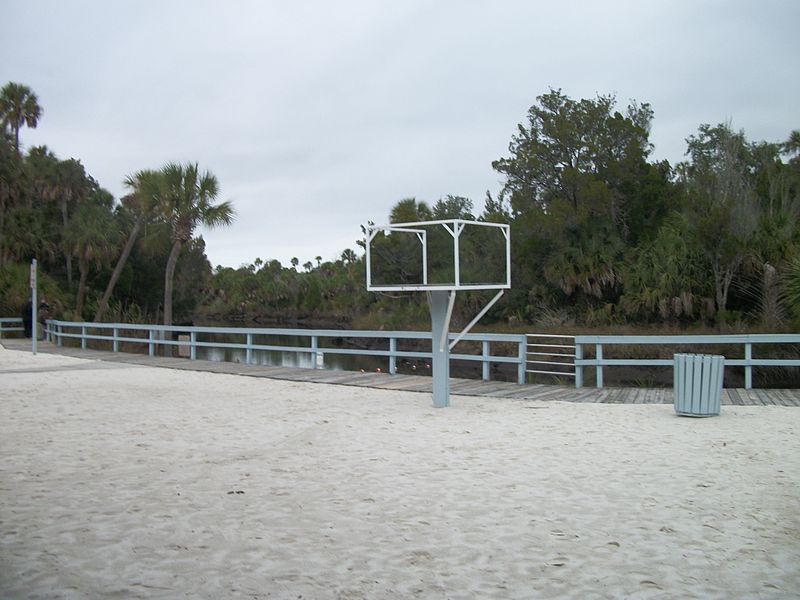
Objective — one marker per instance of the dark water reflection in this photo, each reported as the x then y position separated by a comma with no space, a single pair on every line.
303,358
339,362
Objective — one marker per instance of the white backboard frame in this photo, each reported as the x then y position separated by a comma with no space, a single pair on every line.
454,227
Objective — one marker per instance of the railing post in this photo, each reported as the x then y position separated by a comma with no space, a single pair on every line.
151,346
578,366
83,337
314,347
115,342
522,355
248,352
748,368
598,354
60,337
392,356
485,360
192,345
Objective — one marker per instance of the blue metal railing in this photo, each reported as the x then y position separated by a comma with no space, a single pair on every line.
193,338
747,341
8,324
153,336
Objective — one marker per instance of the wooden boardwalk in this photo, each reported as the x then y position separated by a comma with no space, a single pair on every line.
417,383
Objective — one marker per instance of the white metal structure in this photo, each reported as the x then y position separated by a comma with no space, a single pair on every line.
442,294
455,227
549,354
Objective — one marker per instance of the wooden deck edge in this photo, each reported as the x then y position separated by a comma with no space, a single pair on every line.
421,384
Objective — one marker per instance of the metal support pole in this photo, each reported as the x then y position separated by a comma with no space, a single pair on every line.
439,302
192,345
314,346
748,368
248,358
115,342
485,361
392,356
83,337
476,319
578,366
523,361
34,309
598,354
151,347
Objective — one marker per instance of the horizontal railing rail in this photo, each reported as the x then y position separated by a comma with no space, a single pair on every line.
154,336
746,341
549,354
528,352
8,324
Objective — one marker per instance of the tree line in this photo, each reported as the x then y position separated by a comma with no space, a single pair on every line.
53,210
601,233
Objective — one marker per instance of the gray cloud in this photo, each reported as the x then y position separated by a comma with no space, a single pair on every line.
319,116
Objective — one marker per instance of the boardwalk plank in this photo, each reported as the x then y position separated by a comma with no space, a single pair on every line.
536,392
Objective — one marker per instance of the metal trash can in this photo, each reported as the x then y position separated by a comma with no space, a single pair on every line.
698,384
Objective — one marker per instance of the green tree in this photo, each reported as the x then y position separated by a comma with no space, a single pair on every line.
721,203
349,256
664,278
91,238
19,106
29,234
453,207
185,198
567,145
140,206
13,184
63,183
408,210
790,288
495,210
397,258
573,188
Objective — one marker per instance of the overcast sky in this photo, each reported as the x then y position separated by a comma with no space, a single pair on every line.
317,116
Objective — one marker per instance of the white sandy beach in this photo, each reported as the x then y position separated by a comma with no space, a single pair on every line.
120,481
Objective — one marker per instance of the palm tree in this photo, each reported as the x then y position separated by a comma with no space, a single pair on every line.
19,106
185,199
12,185
73,186
142,204
89,237
65,183
408,210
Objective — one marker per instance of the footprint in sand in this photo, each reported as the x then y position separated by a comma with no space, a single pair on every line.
558,561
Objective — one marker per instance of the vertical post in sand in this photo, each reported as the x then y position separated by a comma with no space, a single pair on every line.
439,302
34,307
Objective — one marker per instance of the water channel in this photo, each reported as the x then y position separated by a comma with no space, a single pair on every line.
304,358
